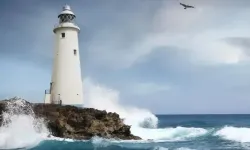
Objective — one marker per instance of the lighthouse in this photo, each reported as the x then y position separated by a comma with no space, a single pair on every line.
66,83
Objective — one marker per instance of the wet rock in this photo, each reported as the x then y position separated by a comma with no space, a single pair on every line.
74,122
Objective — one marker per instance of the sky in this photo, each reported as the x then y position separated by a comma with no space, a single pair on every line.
152,53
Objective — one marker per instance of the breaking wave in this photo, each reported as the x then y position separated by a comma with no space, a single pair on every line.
20,127
143,122
237,134
169,134
103,98
184,148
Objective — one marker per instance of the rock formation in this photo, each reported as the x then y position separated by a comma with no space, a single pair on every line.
74,122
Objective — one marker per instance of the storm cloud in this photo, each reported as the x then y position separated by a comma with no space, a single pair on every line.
155,53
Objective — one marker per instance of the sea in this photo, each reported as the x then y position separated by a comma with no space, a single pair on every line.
174,132
159,132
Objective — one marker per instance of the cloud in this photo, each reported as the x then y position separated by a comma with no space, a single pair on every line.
198,32
155,53
171,26
130,35
28,36
240,42
147,88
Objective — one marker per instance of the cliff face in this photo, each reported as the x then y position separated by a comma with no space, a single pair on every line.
77,123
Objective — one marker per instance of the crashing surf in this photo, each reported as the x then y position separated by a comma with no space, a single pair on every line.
237,134
143,122
20,128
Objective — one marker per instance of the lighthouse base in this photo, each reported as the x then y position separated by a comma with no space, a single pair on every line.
47,98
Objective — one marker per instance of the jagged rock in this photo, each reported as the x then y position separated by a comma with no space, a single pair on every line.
76,123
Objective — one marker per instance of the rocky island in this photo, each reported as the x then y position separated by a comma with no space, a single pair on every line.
72,122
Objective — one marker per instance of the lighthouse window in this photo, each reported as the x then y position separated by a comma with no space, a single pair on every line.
63,35
74,51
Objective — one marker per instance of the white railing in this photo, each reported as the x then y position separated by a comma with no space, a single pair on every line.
62,24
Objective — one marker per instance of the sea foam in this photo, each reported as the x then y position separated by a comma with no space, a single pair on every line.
25,130
238,134
143,122
20,129
169,134
103,98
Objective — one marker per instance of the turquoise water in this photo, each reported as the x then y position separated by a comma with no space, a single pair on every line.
174,132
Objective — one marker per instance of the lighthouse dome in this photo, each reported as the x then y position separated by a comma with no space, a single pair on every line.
66,15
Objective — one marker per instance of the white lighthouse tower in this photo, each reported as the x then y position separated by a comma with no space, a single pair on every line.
66,84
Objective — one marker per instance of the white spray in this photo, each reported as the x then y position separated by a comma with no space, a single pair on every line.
103,98
20,126
22,129
143,122
238,134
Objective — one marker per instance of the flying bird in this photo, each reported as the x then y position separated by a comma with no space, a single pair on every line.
186,6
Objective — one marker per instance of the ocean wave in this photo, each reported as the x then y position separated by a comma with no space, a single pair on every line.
19,129
238,134
184,148
53,138
160,148
22,130
143,122
169,134
149,136
164,148
101,143
104,98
